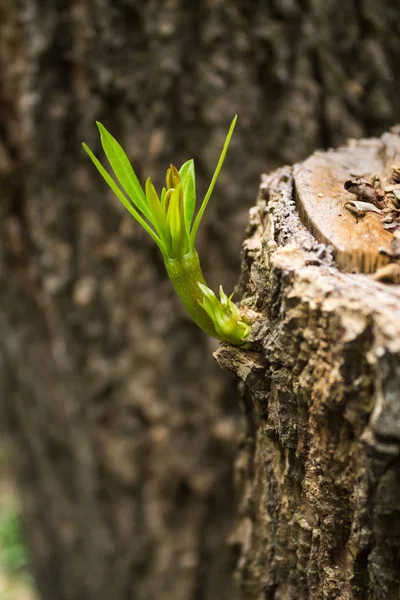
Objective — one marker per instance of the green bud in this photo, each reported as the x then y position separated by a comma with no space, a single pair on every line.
225,315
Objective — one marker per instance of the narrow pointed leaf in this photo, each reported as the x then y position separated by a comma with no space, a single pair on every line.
167,200
107,177
157,213
163,192
123,170
168,179
213,181
172,177
188,179
175,223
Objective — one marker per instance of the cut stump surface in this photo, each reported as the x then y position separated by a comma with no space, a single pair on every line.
321,199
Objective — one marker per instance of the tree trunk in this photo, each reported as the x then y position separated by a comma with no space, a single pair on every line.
319,516
123,434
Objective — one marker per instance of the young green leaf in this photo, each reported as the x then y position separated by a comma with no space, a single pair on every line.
157,213
212,184
107,177
162,198
175,222
188,179
123,170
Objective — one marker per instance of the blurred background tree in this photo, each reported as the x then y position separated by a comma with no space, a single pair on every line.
121,431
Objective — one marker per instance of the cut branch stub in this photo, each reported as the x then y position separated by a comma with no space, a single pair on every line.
321,199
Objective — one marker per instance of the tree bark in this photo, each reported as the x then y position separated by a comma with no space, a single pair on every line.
122,432
319,516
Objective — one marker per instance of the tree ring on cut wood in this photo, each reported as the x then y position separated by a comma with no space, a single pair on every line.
321,201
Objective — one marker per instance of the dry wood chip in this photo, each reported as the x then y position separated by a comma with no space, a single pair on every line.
359,208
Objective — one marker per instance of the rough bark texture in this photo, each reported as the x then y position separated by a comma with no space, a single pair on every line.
123,433
320,511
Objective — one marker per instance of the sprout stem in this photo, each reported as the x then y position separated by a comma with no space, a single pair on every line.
185,274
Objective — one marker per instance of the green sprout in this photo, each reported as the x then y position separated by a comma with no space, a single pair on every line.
170,220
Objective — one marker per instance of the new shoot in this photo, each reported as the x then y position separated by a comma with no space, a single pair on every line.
170,219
